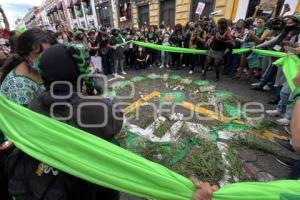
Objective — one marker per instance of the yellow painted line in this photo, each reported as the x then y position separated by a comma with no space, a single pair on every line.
213,115
208,113
139,102
269,135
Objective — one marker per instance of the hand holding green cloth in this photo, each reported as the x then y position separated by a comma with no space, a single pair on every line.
290,66
258,191
98,161
169,48
89,157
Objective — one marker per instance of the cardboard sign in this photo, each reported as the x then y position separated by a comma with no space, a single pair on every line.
200,8
267,5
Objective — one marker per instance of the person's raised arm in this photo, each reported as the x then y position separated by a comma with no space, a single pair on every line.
274,11
5,21
295,125
255,12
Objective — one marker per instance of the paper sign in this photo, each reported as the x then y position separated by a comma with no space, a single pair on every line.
122,19
200,8
267,5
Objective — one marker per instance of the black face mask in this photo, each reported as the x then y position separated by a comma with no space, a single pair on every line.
290,28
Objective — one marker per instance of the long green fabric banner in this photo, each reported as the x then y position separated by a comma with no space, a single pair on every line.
289,63
199,51
95,160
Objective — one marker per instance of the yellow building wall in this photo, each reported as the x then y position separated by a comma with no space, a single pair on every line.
182,13
298,6
134,14
225,8
154,12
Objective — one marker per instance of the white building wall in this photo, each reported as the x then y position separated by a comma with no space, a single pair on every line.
242,9
293,5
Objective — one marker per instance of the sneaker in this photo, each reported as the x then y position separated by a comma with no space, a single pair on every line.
267,88
285,161
191,72
273,112
124,73
258,88
283,122
151,66
167,66
183,65
255,84
162,66
287,130
285,143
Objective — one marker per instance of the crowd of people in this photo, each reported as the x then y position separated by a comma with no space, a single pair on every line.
32,60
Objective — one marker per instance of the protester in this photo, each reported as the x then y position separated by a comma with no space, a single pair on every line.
20,81
219,43
31,65
142,59
25,173
118,56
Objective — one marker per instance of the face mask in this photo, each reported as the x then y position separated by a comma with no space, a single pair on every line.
36,65
291,27
60,41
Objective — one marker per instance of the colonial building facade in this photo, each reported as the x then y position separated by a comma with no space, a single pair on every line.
124,13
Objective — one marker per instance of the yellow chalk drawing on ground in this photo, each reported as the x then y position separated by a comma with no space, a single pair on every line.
203,111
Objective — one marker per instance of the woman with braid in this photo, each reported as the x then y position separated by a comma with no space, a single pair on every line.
37,180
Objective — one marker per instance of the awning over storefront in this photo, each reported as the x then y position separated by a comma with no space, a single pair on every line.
55,9
70,4
76,2
60,6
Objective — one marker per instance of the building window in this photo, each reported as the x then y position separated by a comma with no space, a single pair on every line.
62,15
143,15
209,8
87,7
78,10
104,13
124,10
167,12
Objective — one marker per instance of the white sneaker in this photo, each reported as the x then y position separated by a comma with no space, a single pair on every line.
183,65
167,66
191,72
273,112
267,88
283,122
115,74
255,84
162,66
124,73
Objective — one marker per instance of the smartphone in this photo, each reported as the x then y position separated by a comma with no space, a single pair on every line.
287,7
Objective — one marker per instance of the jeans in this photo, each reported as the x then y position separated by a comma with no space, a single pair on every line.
106,65
232,64
164,58
119,64
268,75
285,95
